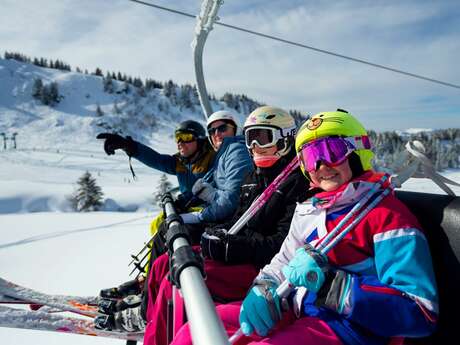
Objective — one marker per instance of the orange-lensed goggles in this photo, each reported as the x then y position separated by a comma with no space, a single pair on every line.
182,137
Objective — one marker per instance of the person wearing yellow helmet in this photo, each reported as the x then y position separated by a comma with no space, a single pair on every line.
375,283
335,138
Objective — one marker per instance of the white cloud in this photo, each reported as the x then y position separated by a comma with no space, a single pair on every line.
419,36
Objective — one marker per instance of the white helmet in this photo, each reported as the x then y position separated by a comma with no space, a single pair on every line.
222,115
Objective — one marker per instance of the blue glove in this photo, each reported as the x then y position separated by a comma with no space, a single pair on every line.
307,268
261,308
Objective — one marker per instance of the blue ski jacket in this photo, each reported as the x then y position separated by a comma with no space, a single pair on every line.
231,165
187,171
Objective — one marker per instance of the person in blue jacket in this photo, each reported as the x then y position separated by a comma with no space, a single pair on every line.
194,157
220,187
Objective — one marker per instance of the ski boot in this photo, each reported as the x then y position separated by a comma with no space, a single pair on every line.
123,315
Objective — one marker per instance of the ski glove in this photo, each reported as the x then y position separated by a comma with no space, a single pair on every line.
214,244
261,309
114,142
217,244
191,217
132,287
204,190
336,292
307,268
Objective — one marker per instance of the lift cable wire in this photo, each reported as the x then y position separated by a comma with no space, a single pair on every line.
323,51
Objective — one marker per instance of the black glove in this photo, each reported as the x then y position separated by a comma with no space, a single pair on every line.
335,290
217,244
132,287
114,142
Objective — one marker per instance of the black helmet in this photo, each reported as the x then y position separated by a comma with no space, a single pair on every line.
192,127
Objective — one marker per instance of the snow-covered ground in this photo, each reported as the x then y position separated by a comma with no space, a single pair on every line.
54,251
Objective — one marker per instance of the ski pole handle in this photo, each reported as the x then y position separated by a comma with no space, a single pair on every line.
235,336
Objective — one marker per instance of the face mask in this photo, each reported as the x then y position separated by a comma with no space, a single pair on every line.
265,161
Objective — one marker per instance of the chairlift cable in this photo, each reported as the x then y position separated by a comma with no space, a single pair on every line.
318,50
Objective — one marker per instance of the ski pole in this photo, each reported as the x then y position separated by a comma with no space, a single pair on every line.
285,288
262,199
324,241
136,257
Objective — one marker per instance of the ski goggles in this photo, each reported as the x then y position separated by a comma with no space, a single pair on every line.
332,151
184,137
221,129
261,136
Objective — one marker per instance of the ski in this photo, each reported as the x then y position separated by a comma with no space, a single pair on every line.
13,293
38,320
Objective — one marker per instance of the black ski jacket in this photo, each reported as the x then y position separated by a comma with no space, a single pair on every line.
261,238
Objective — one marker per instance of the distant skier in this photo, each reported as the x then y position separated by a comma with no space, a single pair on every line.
375,283
193,159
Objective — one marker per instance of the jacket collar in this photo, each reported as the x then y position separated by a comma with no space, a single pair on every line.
349,193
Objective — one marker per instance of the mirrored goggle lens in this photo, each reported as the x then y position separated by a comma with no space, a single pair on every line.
221,129
184,137
332,151
262,137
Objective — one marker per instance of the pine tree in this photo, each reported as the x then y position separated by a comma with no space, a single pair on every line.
163,186
88,195
108,84
54,93
37,88
99,111
98,72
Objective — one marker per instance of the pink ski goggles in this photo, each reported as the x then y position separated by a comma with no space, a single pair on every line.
332,151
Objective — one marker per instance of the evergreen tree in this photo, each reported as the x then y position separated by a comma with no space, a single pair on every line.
99,111
37,88
54,96
88,195
163,186
108,84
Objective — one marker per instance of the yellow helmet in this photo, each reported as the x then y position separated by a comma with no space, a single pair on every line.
336,123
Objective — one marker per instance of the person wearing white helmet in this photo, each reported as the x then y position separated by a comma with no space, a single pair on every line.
220,124
220,187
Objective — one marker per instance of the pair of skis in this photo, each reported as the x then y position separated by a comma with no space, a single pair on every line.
45,312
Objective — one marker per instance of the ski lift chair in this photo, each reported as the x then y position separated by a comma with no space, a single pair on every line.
439,216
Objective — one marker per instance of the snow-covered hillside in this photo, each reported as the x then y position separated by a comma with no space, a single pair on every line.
74,120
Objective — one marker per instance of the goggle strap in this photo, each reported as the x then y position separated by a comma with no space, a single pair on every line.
359,142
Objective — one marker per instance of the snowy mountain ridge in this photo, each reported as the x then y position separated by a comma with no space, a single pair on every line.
76,119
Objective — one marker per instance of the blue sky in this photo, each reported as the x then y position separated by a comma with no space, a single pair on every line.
422,37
